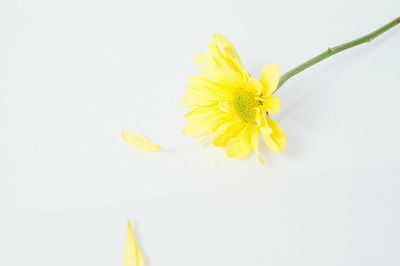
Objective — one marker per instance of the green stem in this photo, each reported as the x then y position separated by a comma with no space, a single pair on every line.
337,49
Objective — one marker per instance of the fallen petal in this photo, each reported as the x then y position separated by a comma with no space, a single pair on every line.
133,256
139,141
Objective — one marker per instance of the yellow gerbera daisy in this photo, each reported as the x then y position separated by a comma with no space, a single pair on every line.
229,105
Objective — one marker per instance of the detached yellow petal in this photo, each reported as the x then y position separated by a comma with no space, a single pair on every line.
270,78
133,256
139,141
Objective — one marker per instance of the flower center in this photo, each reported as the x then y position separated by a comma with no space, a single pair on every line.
245,102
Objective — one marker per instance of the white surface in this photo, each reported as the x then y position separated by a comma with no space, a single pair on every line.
74,74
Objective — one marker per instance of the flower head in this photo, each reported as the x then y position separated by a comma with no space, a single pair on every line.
230,106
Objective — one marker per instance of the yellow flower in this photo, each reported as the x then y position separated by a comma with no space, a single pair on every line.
230,106
133,256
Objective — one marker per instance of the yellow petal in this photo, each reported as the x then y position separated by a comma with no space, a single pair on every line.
272,104
247,133
238,149
210,125
260,117
275,140
196,130
203,112
220,122
255,143
139,141
231,132
133,255
255,86
198,95
207,119
221,48
202,123
217,73
212,88
269,78
224,54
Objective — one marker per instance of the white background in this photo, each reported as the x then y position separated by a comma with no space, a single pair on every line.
75,74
